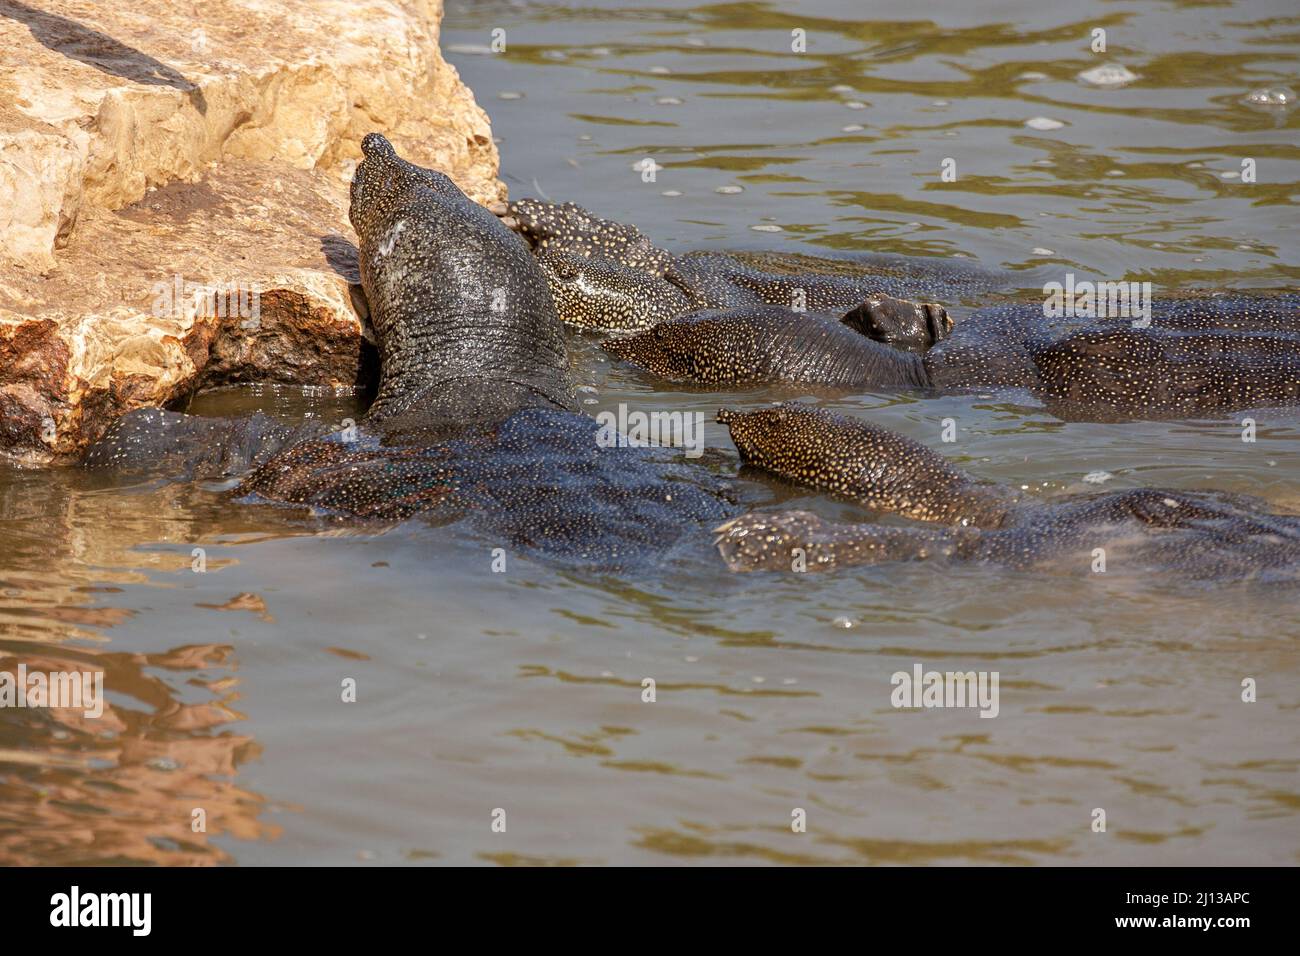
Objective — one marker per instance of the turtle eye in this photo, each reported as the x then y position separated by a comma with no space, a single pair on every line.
566,269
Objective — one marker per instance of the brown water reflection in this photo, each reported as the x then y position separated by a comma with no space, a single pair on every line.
123,788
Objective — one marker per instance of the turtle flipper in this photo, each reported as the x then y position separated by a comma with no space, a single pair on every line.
153,441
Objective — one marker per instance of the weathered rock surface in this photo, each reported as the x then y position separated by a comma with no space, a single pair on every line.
151,150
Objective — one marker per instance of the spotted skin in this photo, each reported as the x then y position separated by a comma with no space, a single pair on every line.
567,227
1113,374
874,466
766,344
1202,355
605,296
539,482
1195,536
725,280
1216,539
155,441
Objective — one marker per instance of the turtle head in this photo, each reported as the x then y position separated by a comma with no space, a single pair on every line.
567,227
671,350
765,435
453,295
609,296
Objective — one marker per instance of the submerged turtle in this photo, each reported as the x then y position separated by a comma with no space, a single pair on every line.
474,420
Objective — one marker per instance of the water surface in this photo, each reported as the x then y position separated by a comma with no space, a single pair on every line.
521,690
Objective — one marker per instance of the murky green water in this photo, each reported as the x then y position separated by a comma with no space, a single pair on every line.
522,691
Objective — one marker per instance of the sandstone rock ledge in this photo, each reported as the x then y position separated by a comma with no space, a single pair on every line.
173,194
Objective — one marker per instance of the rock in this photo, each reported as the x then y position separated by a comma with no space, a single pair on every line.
151,152
242,276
